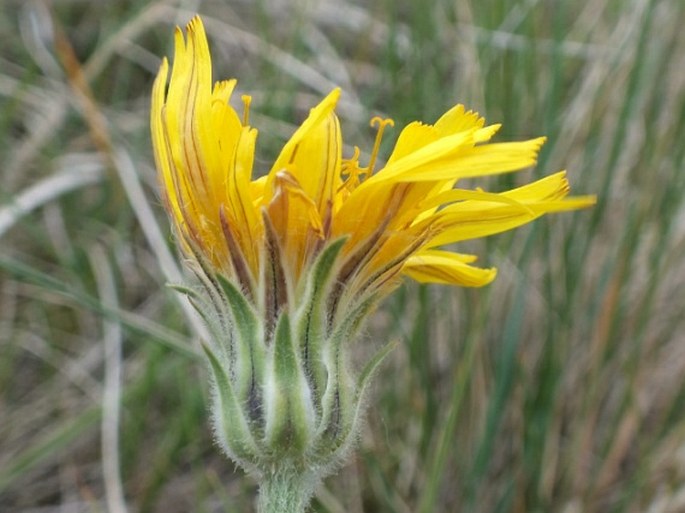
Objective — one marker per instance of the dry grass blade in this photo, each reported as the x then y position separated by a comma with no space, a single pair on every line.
46,190
111,397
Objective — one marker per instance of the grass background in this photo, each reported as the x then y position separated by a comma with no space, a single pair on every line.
559,388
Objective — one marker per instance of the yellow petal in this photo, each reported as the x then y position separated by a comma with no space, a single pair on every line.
458,119
242,212
162,156
423,159
295,219
257,190
223,90
317,162
412,138
469,162
473,219
433,266
416,135
454,195
310,128
177,121
204,154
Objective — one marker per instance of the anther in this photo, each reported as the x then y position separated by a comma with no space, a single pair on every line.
351,163
247,100
352,171
379,123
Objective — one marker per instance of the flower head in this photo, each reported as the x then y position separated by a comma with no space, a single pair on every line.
393,217
293,260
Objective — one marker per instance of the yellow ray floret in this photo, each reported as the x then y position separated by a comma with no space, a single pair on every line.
434,266
392,218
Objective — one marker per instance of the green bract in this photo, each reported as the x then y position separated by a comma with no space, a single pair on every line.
285,396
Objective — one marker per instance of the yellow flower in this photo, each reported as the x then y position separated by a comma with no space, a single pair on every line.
394,218
291,263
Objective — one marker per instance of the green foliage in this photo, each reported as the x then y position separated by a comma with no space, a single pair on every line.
560,387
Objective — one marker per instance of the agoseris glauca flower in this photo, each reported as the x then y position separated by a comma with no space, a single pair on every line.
293,260
394,218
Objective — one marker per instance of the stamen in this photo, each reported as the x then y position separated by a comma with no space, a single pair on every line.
380,123
247,100
348,165
355,155
351,170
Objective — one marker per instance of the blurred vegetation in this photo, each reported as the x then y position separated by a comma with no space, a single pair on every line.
560,388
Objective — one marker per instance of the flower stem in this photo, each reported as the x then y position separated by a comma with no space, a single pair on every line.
285,491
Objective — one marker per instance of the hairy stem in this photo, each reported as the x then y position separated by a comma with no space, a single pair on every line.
286,491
